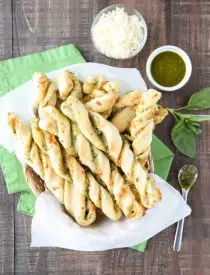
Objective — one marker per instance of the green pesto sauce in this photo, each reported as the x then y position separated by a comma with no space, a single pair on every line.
168,69
187,176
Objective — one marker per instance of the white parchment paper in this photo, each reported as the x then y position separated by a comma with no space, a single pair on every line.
51,226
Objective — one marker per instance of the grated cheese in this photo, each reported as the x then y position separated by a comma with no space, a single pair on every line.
117,34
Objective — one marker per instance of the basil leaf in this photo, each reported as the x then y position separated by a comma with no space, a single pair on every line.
199,131
198,118
194,126
195,123
184,139
199,100
195,129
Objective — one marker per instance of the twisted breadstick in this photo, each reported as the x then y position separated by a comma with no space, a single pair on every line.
101,199
81,116
135,173
124,110
109,133
30,154
82,209
143,139
122,119
138,113
100,165
69,85
26,150
36,132
105,102
35,183
76,204
147,99
147,114
56,156
136,109
142,119
46,90
102,94
124,196
119,151
92,84
130,99
49,98
89,187
61,126
125,158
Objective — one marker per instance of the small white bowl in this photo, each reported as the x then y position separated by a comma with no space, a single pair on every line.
185,57
130,11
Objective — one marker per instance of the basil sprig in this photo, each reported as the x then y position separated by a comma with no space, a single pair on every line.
184,139
198,101
188,126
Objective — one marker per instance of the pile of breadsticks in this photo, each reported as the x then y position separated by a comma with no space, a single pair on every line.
90,146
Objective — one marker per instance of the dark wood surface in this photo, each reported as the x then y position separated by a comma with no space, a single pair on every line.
28,26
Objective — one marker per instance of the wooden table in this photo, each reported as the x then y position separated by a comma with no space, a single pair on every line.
28,26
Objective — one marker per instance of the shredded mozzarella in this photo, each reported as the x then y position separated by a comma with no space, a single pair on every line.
117,34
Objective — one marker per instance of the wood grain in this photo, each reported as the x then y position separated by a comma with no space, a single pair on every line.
7,226
28,26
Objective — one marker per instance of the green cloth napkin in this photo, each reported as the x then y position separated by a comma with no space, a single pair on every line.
15,72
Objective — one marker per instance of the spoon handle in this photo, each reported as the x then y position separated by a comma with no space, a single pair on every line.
178,236
179,228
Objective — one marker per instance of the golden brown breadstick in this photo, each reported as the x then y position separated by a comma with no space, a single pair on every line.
117,149
100,165
45,90
69,85
30,154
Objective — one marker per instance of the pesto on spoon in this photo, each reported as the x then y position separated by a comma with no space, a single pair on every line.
187,177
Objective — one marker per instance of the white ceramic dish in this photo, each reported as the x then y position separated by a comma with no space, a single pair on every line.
184,56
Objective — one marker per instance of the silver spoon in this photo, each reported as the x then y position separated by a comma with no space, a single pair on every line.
187,177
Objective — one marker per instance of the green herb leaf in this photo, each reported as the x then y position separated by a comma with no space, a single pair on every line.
195,123
199,100
199,131
195,129
191,117
184,139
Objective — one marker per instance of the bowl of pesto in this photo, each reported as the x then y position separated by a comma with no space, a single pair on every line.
168,68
